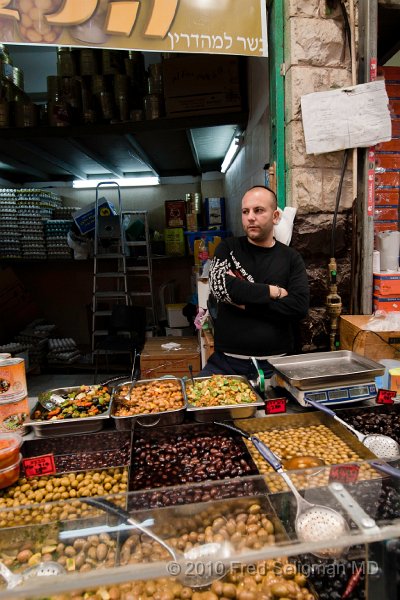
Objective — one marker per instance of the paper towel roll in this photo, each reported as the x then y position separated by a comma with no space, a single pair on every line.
389,247
376,261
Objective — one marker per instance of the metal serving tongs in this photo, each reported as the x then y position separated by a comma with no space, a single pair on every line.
313,522
44,569
381,445
260,375
135,374
208,555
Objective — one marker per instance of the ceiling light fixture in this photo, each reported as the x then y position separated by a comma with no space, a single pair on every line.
233,149
125,182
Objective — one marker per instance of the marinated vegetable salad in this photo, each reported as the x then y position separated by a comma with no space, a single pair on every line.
87,401
219,390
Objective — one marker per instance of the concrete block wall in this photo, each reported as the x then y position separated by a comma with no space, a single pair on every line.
317,58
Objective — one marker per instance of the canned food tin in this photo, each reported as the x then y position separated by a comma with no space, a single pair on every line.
152,106
14,414
12,379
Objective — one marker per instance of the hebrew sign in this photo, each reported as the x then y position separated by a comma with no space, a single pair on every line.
190,26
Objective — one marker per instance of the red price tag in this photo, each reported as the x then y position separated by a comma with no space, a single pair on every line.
275,405
344,473
39,465
385,396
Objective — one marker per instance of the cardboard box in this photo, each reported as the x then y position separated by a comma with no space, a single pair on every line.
214,209
156,361
84,218
386,285
175,316
174,241
386,303
374,345
175,213
179,331
197,85
388,198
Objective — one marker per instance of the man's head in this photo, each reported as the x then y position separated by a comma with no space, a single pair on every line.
259,215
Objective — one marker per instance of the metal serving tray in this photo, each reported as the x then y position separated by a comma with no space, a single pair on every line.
228,412
66,426
306,371
167,417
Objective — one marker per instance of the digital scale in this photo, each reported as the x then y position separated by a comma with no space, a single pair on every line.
337,394
339,377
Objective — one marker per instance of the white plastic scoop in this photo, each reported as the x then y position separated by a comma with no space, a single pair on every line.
209,556
44,569
313,522
381,445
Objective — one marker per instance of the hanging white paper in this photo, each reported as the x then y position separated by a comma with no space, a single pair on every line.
351,117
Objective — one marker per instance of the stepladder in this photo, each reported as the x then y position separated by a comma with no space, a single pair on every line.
110,284
139,263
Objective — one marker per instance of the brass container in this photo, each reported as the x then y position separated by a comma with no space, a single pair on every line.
18,78
88,62
26,114
152,106
4,113
54,84
66,63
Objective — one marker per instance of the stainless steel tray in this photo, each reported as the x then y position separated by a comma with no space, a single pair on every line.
66,426
306,371
167,417
206,414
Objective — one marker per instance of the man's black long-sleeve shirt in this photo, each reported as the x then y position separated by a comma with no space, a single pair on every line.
264,327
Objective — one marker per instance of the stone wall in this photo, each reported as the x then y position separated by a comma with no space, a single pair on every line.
317,58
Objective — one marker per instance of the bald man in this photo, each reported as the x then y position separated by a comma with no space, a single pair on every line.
262,291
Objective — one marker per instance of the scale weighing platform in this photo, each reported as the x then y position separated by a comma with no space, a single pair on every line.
339,377
337,394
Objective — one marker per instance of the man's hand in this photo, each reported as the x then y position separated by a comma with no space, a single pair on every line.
242,306
277,292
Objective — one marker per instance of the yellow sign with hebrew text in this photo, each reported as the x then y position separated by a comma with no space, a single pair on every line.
193,26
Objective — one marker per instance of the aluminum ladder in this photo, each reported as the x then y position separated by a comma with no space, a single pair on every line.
139,267
110,284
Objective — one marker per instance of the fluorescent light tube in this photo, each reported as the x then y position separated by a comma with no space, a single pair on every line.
126,182
231,153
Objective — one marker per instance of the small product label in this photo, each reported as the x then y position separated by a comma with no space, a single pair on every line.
344,473
385,396
36,466
275,405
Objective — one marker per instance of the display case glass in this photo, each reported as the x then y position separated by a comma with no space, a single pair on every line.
240,542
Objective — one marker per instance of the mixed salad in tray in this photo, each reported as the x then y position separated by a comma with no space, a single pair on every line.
85,401
219,390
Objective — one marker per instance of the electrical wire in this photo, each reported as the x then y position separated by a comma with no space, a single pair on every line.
338,194
347,29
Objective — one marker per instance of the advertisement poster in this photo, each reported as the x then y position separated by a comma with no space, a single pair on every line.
190,26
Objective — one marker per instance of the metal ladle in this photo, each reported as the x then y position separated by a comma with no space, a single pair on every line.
205,555
43,569
381,445
313,522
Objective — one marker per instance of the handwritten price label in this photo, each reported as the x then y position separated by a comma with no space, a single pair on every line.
385,396
37,466
275,405
344,473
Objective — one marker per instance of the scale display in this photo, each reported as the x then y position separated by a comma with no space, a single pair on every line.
346,393
339,394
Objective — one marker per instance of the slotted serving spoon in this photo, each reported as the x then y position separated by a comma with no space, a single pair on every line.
313,522
381,445
208,557
44,569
